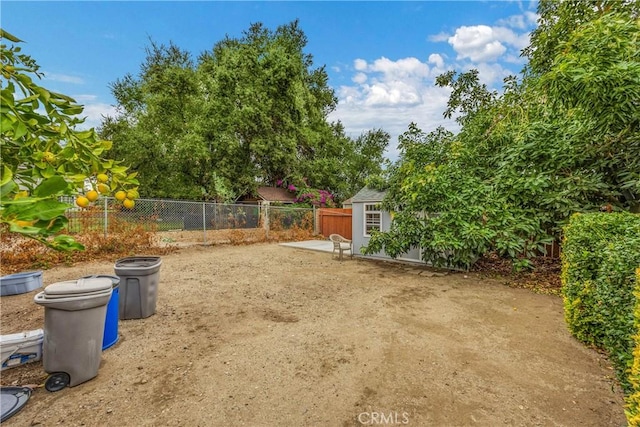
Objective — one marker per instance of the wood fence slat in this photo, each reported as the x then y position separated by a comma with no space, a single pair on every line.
335,221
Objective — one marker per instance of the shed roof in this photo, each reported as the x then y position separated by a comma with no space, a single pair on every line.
368,195
274,194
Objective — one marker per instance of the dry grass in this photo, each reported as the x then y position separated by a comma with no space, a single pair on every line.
18,253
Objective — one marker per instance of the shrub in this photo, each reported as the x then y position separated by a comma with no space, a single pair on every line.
633,399
599,256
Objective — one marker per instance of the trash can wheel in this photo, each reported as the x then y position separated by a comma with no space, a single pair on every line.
57,381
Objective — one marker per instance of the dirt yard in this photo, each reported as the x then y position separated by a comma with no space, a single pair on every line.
265,335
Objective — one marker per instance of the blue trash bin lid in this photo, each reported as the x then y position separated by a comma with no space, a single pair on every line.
23,275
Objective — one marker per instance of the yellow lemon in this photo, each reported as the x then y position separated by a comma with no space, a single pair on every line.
82,201
102,177
121,195
132,194
103,188
92,195
128,203
49,157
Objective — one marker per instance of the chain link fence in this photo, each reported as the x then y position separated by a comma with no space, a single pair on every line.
107,215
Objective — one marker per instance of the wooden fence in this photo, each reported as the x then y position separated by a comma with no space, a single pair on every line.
335,221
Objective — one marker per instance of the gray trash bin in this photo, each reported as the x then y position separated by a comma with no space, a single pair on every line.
139,278
74,319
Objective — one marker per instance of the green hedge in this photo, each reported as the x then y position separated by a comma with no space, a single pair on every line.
600,254
633,399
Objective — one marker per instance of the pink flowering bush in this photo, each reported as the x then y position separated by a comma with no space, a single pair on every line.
317,198
309,197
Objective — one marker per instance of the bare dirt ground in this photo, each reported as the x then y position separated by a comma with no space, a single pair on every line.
265,335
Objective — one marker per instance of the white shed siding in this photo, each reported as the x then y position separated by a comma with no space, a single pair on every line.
359,237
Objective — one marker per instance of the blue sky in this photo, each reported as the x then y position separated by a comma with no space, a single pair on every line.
381,57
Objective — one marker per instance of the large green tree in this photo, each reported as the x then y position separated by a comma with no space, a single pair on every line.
251,111
563,140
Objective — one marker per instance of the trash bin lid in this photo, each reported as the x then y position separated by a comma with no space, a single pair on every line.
22,275
82,286
13,399
138,261
115,280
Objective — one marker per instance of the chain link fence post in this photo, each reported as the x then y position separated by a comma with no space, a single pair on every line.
204,223
266,218
315,220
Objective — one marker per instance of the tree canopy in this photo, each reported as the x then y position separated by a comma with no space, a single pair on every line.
564,139
251,111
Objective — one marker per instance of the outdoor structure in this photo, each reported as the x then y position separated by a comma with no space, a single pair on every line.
269,195
368,215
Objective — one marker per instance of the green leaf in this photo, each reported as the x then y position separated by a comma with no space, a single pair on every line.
50,186
52,226
29,230
9,36
6,176
66,243
6,189
72,111
119,169
20,130
45,95
46,209
48,171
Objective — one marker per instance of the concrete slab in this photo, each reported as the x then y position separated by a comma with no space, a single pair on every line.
314,245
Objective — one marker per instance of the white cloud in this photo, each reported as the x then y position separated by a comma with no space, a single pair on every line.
514,59
385,82
491,74
405,68
532,18
360,78
437,60
358,117
507,36
63,78
81,99
514,21
94,113
477,43
484,43
360,64
390,95
440,37
520,22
